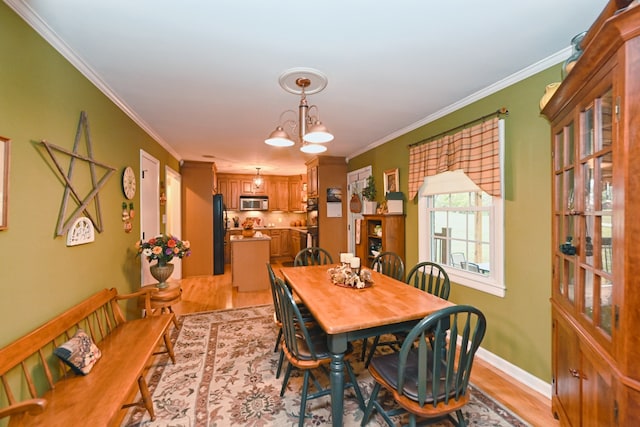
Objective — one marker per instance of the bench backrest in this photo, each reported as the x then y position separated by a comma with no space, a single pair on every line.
32,356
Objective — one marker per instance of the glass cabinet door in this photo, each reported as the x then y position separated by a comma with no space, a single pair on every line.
596,249
564,211
583,217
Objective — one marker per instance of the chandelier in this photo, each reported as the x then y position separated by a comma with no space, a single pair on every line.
311,133
257,180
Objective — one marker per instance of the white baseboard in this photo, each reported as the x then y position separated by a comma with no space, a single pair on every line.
515,372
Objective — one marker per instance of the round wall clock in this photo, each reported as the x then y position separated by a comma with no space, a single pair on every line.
129,183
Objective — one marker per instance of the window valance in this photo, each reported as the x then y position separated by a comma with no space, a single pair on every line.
475,150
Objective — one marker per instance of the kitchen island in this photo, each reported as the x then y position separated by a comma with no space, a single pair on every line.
249,258
286,241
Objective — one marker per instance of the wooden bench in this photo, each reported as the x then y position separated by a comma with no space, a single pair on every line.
41,390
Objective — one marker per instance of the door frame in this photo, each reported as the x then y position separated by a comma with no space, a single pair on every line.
149,207
172,218
356,181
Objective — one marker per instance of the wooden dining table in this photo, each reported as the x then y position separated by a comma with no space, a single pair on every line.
348,314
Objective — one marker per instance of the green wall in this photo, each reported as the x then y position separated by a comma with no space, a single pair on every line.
41,97
519,325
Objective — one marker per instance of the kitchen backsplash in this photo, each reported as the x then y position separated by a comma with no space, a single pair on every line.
268,219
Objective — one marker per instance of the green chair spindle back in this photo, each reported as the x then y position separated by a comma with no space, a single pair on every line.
430,277
390,264
312,256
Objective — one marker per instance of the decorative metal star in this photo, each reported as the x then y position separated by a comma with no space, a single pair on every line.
71,191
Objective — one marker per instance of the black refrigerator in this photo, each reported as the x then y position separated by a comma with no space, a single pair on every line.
219,231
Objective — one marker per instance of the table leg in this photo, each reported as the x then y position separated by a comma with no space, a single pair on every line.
338,347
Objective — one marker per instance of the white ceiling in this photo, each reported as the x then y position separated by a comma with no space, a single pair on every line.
201,77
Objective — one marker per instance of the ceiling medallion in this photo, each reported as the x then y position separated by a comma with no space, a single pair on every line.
312,134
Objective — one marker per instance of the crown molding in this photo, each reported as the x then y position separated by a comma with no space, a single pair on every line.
50,36
483,93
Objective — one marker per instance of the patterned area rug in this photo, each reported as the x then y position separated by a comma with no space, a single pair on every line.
225,376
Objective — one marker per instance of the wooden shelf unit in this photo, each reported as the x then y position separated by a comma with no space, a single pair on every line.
391,236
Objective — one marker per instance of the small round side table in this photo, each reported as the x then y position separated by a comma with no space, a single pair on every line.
163,299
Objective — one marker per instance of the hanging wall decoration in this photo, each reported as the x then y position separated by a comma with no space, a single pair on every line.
81,232
71,190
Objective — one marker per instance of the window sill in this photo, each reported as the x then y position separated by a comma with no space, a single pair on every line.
475,281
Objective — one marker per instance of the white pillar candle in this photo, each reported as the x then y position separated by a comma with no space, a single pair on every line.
355,262
345,257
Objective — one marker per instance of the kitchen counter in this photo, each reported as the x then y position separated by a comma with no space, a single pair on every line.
240,237
249,258
288,227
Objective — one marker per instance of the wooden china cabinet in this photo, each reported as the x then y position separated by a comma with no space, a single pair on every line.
381,233
595,299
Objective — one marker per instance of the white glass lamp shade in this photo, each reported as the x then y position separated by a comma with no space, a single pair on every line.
318,134
279,138
313,148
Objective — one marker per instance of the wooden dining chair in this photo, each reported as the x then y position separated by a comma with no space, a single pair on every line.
428,277
312,256
306,351
277,318
429,376
390,264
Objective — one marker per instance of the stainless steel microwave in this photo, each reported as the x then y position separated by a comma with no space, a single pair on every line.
254,203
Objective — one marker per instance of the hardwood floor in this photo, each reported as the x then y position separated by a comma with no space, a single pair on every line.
204,293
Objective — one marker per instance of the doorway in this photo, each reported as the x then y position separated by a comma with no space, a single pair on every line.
356,181
149,207
173,212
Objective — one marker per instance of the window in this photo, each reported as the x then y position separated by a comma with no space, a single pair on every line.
461,228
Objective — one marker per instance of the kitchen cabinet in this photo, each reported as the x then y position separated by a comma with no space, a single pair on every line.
278,194
595,294
276,243
229,187
227,244
285,192
295,202
381,233
247,187
285,242
312,178
296,239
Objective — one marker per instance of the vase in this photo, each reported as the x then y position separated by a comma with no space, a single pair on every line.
548,93
369,208
248,233
575,54
161,273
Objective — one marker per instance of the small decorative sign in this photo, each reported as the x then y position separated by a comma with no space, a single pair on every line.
81,232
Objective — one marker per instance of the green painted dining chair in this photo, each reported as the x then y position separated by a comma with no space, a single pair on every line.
277,318
307,351
390,264
429,376
428,277
312,256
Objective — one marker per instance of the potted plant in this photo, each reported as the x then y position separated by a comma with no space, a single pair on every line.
369,195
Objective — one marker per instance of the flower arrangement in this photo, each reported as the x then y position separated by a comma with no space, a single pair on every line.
369,192
247,224
163,248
